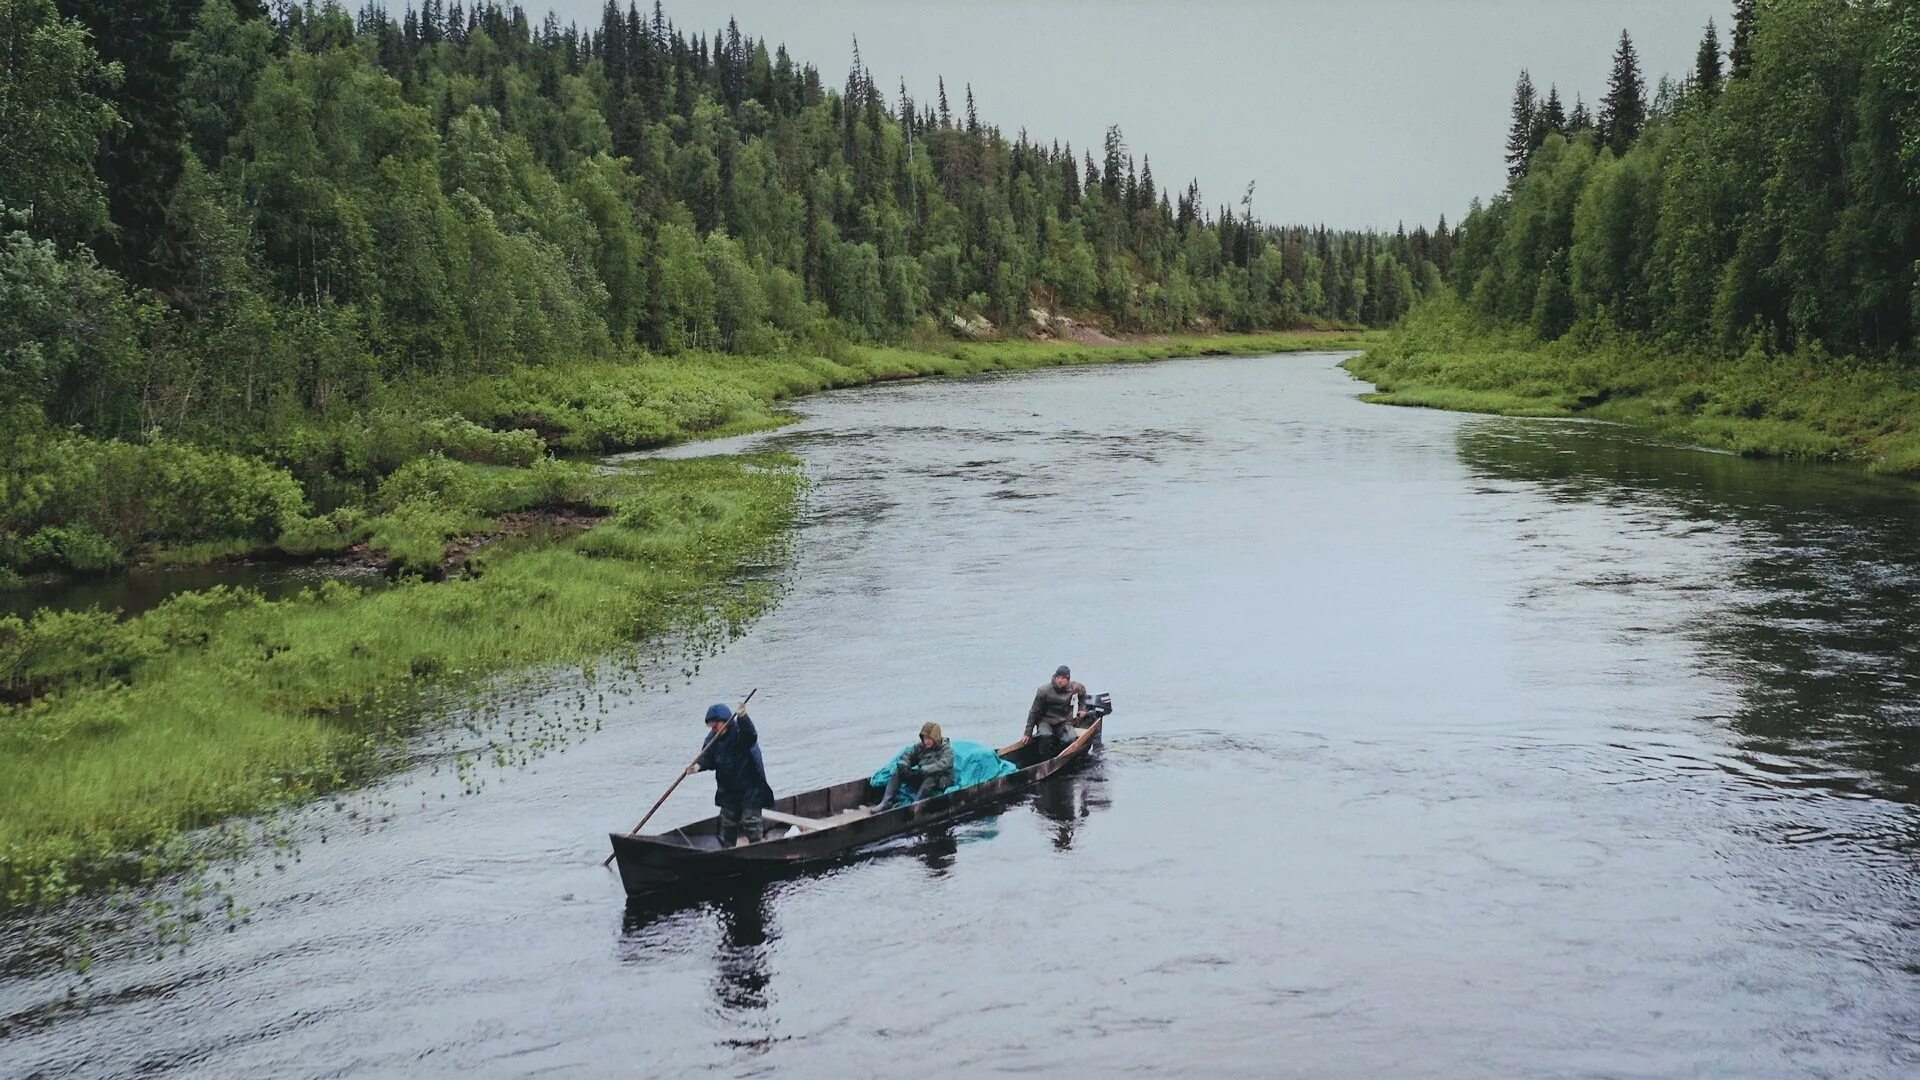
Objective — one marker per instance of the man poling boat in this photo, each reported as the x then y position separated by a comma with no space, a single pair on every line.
732,754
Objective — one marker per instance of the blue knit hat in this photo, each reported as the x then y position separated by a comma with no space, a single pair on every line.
717,712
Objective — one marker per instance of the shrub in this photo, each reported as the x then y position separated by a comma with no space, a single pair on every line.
335,531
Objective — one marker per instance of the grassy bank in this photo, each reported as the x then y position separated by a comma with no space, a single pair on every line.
1804,405
218,703
119,736
650,401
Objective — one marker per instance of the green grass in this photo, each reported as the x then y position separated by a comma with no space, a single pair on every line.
1804,405
211,706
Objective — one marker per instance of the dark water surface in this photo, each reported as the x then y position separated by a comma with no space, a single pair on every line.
1445,747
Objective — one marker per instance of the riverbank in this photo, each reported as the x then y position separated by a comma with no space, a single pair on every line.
1758,405
425,461
118,737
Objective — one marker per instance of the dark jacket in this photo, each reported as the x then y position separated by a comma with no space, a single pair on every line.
1052,706
932,768
739,774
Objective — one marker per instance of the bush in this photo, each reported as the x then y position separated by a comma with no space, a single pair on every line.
431,480
85,504
463,440
60,647
72,547
336,531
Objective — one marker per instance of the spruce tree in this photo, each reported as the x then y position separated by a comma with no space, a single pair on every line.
973,118
1740,57
1580,119
1624,110
1551,119
1706,67
1520,135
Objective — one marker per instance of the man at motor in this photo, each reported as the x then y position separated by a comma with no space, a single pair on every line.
1050,720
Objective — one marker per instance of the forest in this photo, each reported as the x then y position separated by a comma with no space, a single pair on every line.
1768,198
229,227
1732,256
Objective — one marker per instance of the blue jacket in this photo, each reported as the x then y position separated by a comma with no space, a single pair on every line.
739,774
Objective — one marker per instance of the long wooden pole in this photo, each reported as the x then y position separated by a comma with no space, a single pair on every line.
711,739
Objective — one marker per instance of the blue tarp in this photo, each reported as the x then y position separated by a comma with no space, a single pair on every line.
972,764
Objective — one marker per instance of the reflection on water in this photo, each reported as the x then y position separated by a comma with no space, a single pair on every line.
735,926
1067,801
937,850
1818,619
741,971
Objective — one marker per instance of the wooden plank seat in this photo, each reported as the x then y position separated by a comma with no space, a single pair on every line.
798,822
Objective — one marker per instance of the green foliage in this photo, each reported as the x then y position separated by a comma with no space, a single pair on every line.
67,501
330,532
52,116
69,334
72,649
1774,206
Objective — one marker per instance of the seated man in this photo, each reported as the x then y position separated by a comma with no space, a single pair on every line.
929,765
1050,719
732,754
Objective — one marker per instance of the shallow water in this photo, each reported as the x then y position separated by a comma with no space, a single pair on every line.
1445,746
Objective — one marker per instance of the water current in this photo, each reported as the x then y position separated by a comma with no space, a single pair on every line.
1444,746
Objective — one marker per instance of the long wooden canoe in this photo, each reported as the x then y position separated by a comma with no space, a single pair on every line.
821,824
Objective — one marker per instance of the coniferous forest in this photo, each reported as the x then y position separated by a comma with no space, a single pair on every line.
1768,199
233,234
1731,256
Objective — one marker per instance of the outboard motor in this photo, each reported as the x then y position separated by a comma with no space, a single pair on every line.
1097,705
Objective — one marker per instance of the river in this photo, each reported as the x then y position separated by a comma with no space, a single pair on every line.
1444,746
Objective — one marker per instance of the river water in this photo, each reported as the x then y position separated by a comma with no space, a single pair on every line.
1445,746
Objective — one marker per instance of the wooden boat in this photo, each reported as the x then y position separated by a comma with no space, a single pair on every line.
818,825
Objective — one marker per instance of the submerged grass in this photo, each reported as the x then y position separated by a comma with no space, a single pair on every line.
1805,405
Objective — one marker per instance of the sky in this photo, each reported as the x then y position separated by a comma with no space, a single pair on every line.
1350,113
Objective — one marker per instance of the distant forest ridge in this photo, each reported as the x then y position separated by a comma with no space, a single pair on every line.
216,211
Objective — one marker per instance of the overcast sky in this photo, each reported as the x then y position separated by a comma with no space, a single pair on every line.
1347,112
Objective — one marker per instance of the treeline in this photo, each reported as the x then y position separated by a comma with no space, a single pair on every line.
216,213
1769,199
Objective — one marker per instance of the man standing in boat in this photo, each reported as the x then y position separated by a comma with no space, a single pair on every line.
741,790
1050,720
